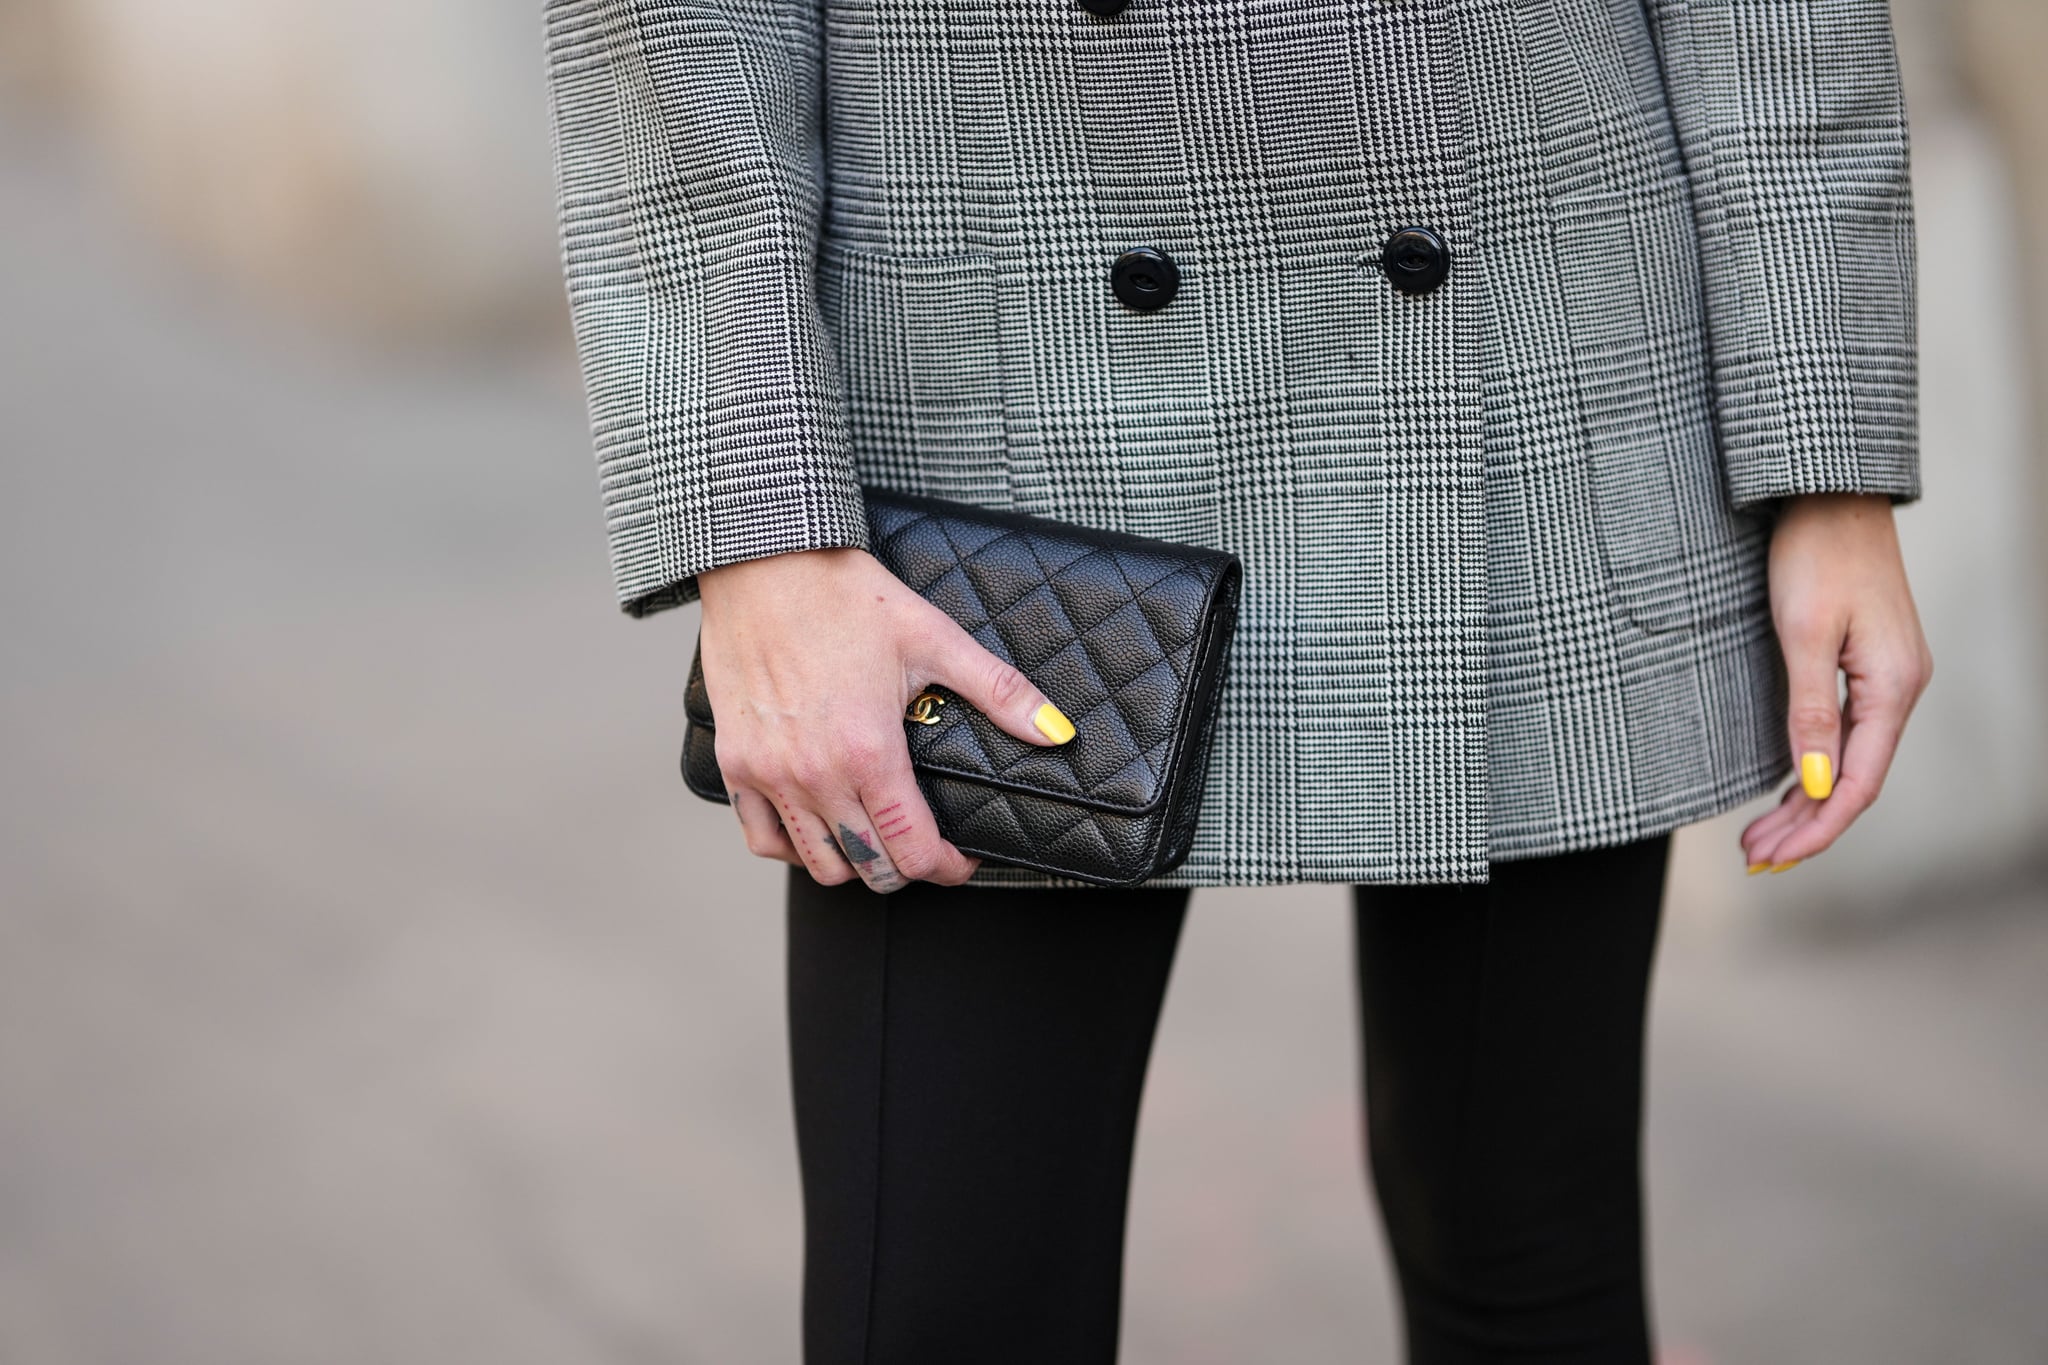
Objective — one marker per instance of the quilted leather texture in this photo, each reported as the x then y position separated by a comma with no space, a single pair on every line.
1125,634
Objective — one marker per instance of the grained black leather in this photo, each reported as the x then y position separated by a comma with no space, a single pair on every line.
1127,635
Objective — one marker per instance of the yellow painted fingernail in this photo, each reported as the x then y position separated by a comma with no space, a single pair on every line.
1755,868
1780,867
1053,723
1817,775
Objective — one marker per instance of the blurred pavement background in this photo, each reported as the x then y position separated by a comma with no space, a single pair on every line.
371,989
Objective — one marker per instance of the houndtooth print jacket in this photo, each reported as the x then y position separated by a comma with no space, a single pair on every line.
1487,332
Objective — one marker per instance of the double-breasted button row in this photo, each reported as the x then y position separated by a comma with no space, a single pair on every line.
1415,259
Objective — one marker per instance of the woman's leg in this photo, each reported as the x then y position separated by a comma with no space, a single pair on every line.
967,1065
1503,1075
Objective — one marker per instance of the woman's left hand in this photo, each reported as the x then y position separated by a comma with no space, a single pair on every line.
1840,601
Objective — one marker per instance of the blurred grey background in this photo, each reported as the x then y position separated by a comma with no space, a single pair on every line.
371,989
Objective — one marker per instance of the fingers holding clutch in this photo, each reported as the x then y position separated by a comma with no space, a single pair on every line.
833,850
835,838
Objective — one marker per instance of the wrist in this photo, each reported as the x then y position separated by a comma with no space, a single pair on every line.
768,572
1835,507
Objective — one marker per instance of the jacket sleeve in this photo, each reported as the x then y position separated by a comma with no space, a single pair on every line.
1792,124
689,168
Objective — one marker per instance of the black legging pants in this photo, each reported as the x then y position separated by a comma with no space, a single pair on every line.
968,1064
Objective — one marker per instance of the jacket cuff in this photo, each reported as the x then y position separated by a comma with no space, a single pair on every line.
1816,379
655,563
1758,484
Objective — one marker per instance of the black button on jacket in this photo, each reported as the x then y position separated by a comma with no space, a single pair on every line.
1146,278
1416,260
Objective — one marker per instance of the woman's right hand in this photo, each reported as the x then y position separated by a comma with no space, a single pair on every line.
809,659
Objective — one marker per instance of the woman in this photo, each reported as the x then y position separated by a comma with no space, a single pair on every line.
1548,363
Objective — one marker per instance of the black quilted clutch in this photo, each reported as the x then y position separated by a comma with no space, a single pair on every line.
1125,634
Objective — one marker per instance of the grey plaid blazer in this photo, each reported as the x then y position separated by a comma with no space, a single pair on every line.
1504,540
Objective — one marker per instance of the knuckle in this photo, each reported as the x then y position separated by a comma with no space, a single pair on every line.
1814,717
1004,684
917,862
734,761
1889,692
1894,690
807,768
859,753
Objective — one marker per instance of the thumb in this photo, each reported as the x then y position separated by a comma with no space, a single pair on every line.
1814,710
997,689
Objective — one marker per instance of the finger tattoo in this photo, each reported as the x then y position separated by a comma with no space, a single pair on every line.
892,820
880,873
